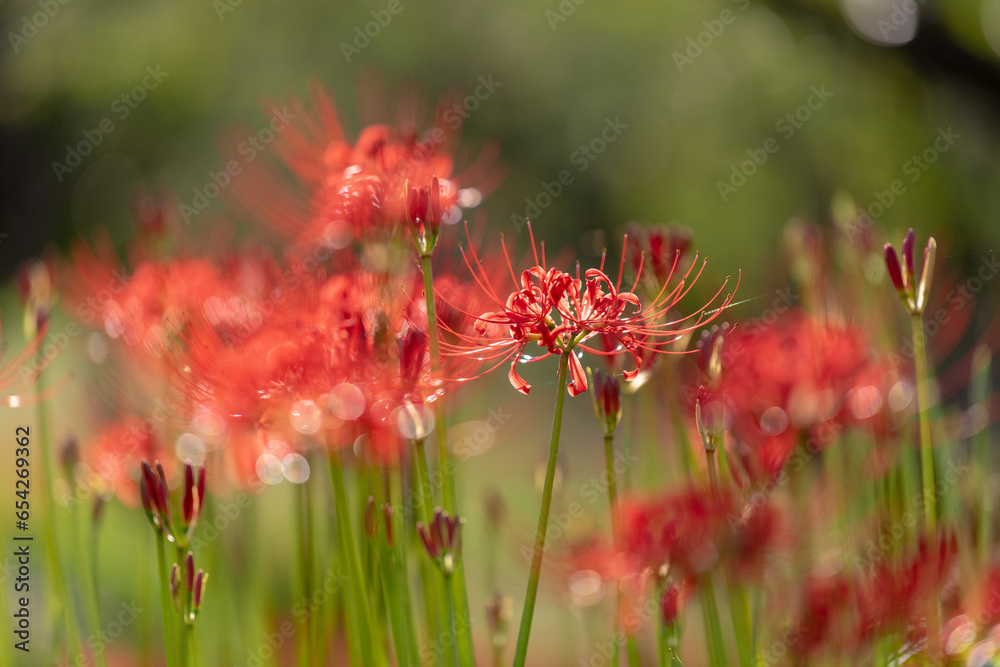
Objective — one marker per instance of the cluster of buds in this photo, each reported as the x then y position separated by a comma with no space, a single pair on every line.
912,294
371,522
156,501
424,213
188,601
607,397
440,539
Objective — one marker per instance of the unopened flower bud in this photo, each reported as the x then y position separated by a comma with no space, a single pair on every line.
607,400
913,295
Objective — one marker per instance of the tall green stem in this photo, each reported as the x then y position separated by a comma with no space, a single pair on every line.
926,468
86,552
356,591
166,601
923,405
307,622
543,517
49,527
463,638
434,587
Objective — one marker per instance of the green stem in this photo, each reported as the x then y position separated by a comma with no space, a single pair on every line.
307,625
543,517
359,597
89,588
923,405
49,528
463,638
713,627
166,601
428,574
609,460
979,393
435,592
185,636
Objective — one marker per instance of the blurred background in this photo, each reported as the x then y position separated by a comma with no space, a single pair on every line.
728,116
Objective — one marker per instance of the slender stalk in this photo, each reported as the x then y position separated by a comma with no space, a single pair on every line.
359,597
89,588
166,601
713,628
926,468
433,592
923,405
979,393
185,634
543,517
609,460
49,528
402,569
306,628
463,638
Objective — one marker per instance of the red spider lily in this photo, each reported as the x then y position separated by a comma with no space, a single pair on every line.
790,377
658,246
694,529
561,313
355,337
896,597
342,186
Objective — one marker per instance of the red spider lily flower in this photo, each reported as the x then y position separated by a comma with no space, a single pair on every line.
695,529
896,597
343,188
657,246
793,376
561,313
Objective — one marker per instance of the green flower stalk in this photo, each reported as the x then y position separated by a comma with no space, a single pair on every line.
914,297
424,213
